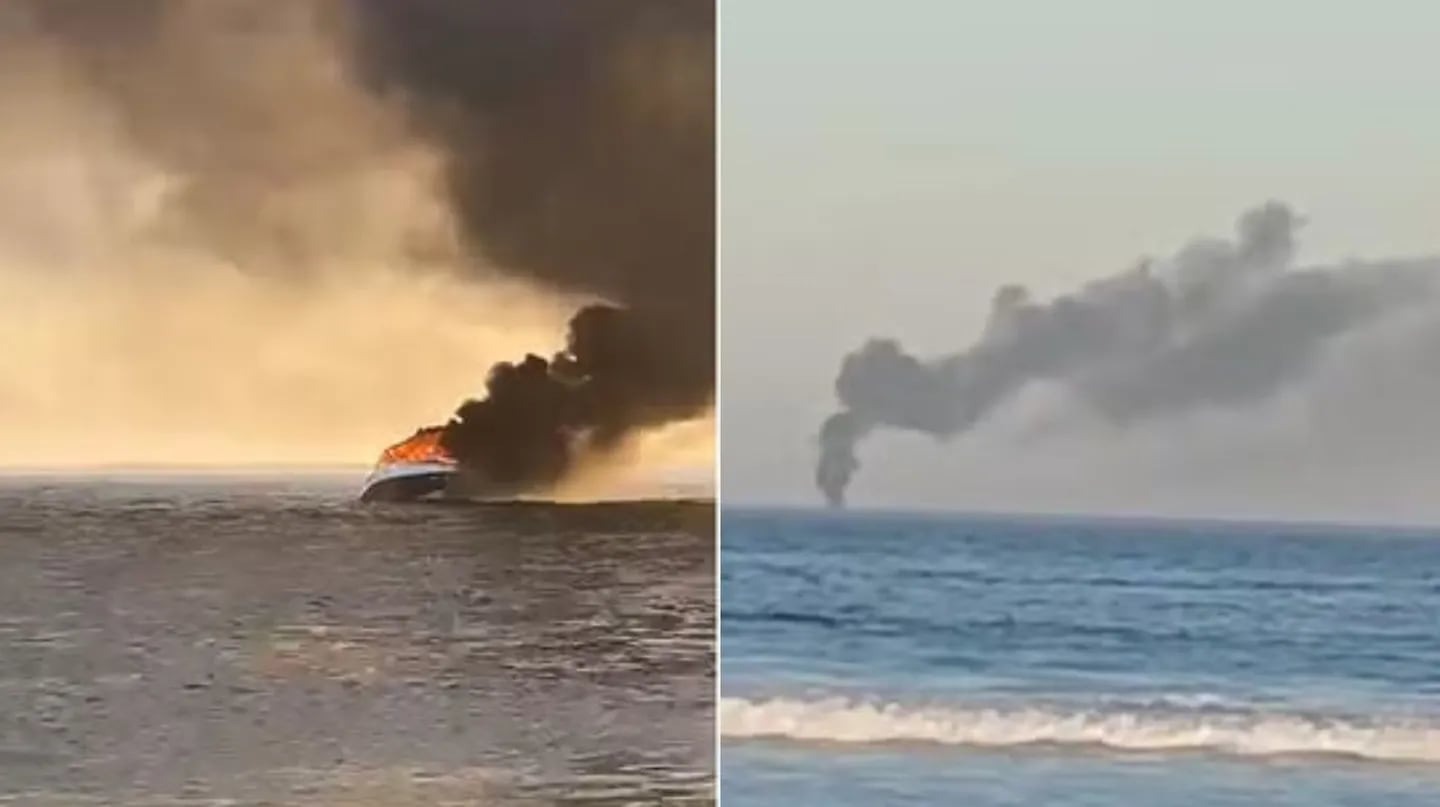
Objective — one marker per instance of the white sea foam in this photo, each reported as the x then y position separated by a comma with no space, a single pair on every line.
1252,733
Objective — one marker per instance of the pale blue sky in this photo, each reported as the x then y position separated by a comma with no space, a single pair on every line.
886,165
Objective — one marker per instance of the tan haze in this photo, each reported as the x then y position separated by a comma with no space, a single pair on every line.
221,251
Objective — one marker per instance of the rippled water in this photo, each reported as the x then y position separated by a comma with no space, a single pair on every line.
917,659
237,638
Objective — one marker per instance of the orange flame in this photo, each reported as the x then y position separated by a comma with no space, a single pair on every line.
423,446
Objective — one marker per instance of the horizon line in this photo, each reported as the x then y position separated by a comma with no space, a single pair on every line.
163,467
1351,522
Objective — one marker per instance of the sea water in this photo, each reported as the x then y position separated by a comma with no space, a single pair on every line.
873,658
240,639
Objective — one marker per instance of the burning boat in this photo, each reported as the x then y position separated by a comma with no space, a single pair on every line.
414,468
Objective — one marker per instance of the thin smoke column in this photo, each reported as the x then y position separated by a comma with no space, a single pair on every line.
1223,323
576,148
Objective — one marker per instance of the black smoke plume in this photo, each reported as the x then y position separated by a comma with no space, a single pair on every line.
579,139
1221,324
576,140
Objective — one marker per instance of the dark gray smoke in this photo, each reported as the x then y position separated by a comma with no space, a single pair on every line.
1220,324
580,145
576,141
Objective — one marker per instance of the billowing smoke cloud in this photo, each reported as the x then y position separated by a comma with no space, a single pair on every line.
317,148
1222,324
579,143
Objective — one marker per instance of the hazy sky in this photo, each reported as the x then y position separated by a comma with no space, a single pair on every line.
885,166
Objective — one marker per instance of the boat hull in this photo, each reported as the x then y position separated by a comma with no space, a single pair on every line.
407,483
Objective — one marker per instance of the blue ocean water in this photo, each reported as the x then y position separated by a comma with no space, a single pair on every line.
938,659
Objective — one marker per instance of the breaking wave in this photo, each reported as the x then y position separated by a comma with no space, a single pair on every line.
1168,726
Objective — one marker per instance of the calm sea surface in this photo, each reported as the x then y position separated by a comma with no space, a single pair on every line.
917,659
199,640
